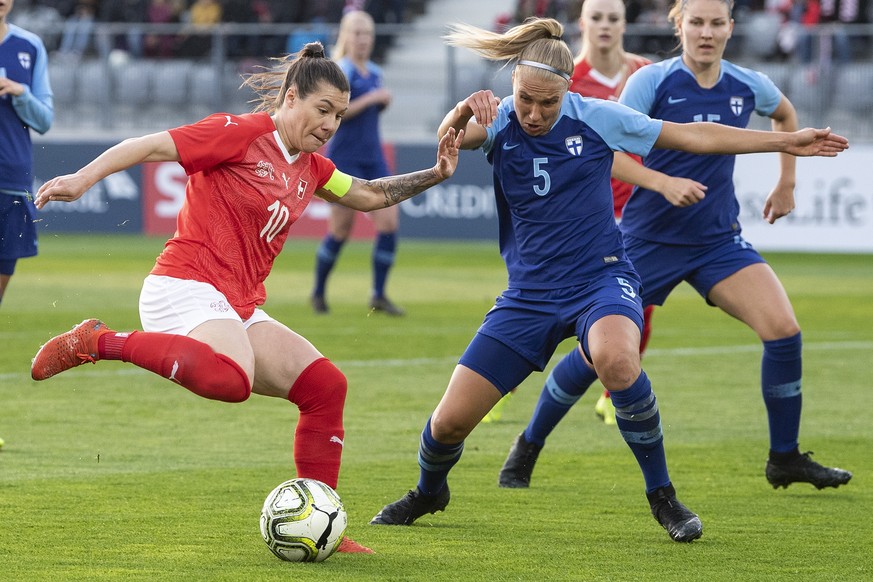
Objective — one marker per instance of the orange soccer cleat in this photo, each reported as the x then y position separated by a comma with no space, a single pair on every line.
350,546
68,350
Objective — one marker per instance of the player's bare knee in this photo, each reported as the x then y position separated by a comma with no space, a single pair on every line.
448,430
618,370
787,329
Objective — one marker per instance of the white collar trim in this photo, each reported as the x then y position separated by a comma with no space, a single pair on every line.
288,157
612,82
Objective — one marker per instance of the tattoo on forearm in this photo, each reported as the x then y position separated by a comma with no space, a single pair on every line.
396,189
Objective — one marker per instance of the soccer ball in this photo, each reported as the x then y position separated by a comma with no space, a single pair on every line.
303,520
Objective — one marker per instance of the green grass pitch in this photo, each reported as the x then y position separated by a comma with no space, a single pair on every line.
111,473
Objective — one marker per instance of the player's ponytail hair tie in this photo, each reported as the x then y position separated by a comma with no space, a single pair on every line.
313,50
556,37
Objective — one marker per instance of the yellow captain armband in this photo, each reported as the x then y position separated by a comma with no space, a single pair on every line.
339,184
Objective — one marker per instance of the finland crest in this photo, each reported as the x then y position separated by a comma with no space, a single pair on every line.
24,60
737,105
574,144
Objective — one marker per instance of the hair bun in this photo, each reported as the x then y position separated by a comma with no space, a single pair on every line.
313,49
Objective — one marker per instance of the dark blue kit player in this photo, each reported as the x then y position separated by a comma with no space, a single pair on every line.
569,275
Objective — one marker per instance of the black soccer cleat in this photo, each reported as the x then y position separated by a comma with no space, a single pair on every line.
519,465
802,469
410,507
681,523
319,304
386,306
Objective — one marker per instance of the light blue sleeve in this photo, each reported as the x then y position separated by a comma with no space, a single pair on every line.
767,94
347,67
639,91
35,106
502,120
622,128
376,71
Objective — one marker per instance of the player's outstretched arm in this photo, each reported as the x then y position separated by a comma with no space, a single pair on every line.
816,142
715,138
678,191
367,195
155,147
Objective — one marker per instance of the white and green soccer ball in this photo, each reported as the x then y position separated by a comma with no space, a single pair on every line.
303,520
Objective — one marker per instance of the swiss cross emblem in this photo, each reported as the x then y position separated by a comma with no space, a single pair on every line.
301,189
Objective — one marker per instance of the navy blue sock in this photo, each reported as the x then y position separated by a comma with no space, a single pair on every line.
567,382
781,371
383,259
325,259
435,460
638,420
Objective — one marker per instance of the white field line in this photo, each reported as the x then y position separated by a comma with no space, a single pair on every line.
450,361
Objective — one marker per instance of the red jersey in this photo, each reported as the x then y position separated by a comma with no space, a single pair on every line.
244,191
590,83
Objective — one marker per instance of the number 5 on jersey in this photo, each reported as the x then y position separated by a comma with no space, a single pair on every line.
539,172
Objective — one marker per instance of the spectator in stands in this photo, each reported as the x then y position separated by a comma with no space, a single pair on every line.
78,28
162,12
44,19
828,16
202,16
313,31
525,9
390,11
651,12
806,14
282,11
385,12
129,11
63,7
243,12
205,13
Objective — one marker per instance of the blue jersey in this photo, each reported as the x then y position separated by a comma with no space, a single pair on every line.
357,140
22,59
668,90
554,199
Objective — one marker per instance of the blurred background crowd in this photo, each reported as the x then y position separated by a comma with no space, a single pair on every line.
788,27
68,26
105,55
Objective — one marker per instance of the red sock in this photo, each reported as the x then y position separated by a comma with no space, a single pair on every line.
319,393
185,361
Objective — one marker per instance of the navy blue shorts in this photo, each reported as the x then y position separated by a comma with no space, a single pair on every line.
663,266
523,329
17,228
364,170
